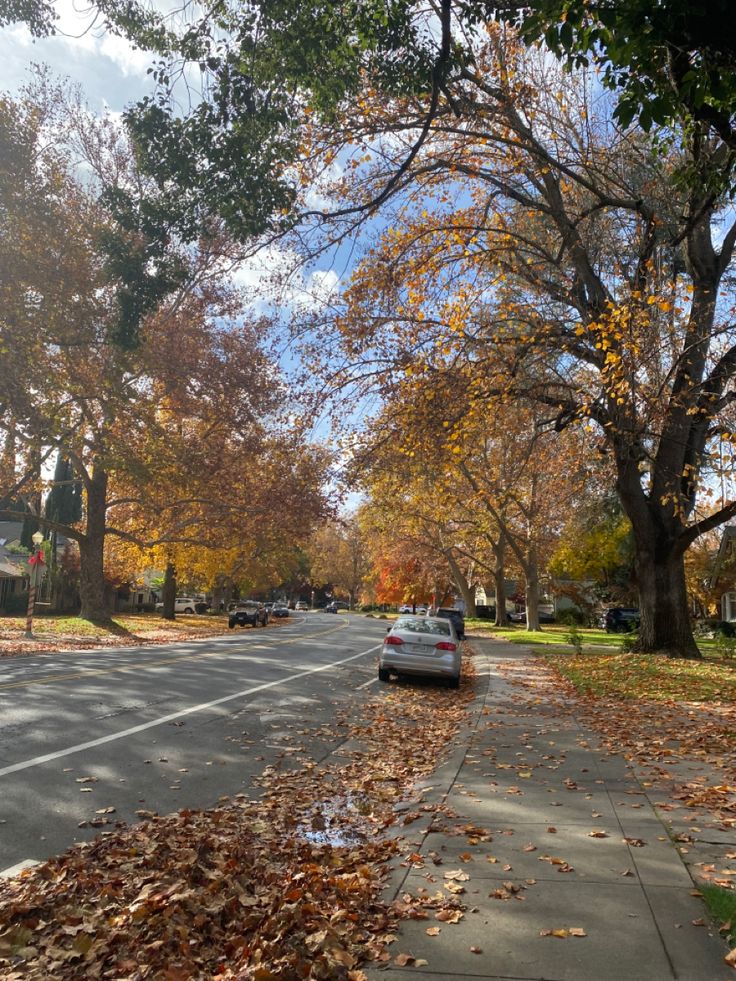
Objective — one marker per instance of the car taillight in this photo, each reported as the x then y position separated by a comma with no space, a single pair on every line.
393,640
445,645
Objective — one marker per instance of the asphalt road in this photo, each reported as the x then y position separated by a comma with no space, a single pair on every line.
163,728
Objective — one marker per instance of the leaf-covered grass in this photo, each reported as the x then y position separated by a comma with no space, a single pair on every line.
721,904
553,633
634,676
119,624
61,633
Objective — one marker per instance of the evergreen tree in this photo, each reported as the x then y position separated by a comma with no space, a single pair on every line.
64,503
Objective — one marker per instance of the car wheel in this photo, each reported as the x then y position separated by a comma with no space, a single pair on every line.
231,626
189,610
454,682
384,674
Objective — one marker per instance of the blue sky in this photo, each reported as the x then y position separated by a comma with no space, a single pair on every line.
111,72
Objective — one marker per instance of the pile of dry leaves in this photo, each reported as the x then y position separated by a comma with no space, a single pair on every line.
285,887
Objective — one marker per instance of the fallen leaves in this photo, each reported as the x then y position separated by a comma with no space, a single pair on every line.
214,893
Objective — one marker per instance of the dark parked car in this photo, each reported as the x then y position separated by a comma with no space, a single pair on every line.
335,606
620,620
251,612
520,617
458,620
280,610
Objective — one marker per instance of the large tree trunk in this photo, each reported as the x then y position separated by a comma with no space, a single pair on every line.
665,617
660,568
91,550
169,593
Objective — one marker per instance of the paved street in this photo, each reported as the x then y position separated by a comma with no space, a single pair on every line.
163,728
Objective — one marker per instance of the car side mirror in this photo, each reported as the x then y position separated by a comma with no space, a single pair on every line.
388,628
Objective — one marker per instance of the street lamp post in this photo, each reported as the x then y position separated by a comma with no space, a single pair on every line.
36,564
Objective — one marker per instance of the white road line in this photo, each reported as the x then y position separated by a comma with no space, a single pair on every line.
80,747
366,683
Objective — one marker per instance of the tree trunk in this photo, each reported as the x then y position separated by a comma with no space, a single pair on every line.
659,560
499,579
91,550
531,573
466,591
169,593
665,616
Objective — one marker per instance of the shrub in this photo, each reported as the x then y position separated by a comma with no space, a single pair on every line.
571,618
725,645
629,642
574,638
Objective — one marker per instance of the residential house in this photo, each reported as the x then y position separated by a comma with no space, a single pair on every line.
13,567
724,573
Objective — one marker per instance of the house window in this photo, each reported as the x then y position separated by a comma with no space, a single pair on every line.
728,607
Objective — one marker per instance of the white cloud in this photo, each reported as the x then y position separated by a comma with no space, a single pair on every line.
276,276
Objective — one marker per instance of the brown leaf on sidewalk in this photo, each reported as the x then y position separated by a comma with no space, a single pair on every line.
457,874
449,915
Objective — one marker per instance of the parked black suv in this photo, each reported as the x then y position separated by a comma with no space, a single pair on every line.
620,620
457,618
251,612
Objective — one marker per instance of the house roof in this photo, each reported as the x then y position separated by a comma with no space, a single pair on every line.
10,531
9,570
725,552
12,566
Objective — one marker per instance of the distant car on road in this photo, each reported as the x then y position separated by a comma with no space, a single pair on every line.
251,612
421,646
280,610
302,606
335,606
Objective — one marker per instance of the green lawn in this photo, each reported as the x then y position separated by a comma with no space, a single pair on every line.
556,634
552,633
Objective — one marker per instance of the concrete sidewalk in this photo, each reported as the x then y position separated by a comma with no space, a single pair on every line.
552,835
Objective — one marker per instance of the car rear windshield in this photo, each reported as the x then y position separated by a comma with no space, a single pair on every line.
422,625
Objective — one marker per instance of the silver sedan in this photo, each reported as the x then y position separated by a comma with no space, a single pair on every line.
421,645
